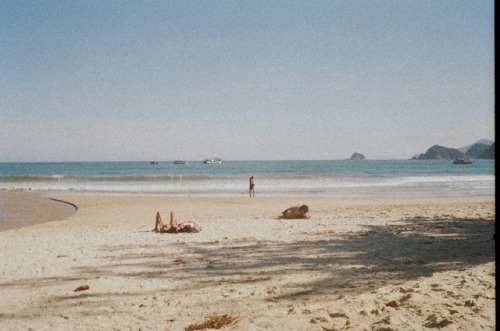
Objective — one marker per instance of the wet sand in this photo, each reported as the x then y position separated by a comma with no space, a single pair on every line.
21,208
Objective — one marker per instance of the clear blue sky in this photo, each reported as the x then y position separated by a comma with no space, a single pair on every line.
243,80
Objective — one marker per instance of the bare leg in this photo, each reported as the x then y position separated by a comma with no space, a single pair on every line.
173,222
173,228
159,223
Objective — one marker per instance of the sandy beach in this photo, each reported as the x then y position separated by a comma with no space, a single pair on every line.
357,264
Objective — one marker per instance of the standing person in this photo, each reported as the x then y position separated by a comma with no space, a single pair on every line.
252,187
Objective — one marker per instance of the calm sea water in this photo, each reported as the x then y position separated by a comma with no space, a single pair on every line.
412,178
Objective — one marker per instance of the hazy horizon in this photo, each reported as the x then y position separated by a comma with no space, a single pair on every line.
260,80
225,160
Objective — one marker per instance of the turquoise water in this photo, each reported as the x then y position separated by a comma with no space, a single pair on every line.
273,178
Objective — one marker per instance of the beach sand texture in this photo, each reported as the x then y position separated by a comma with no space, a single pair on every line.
357,264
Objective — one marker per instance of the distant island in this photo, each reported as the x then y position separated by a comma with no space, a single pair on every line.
482,149
357,156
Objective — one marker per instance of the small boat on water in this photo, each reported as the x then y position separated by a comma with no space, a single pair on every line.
214,160
155,162
462,160
181,162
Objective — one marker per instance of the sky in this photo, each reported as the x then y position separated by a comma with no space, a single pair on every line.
243,80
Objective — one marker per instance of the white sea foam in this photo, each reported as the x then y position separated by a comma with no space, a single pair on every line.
420,186
273,178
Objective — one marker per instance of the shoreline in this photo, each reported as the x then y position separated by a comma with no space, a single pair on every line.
369,263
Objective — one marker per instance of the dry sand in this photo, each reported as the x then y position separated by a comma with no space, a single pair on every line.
357,264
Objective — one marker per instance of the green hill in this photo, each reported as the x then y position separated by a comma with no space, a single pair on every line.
437,152
489,153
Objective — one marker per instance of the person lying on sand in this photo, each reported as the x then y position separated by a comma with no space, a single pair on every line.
173,227
296,212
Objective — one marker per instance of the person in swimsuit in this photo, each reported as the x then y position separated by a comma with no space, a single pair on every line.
173,227
252,187
296,212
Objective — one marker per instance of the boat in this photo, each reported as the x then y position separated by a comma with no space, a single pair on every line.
462,160
181,162
214,160
155,162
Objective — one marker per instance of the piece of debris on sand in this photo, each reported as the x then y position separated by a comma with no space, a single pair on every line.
213,322
82,288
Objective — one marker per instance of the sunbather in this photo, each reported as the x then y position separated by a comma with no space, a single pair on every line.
173,227
296,212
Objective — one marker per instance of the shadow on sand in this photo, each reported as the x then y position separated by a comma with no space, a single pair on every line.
345,263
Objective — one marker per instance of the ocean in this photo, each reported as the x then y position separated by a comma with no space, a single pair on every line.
337,178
